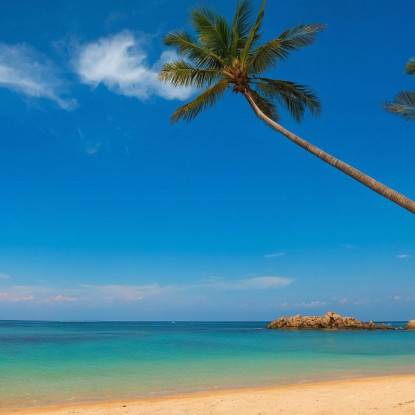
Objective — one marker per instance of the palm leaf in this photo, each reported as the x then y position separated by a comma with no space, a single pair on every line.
241,25
410,67
213,29
294,97
403,105
224,55
253,34
205,100
181,73
189,47
278,49
265,105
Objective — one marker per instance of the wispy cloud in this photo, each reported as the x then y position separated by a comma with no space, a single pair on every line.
19,299
274,255
88,293
400,256
312,304
348,246
59,298
120,62
257,283
366,301
26,71
297,306
90,146
92,149
4,277
114,292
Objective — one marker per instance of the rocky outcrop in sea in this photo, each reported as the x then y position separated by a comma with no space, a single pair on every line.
330,321
410,325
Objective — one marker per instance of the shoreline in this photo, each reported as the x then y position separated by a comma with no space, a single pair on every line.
392,394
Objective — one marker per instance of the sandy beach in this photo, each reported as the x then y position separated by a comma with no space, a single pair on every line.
380,395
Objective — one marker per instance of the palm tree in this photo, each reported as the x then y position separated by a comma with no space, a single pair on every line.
404,102
226,55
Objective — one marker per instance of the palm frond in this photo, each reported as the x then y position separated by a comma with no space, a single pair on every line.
410,67
265,105
206,99
294,97
181,73
187,46
222,55
241,25
278,49
403,105
212,29
253,34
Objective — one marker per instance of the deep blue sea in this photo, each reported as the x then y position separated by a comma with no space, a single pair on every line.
44,363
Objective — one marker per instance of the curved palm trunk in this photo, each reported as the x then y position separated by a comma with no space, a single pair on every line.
368,181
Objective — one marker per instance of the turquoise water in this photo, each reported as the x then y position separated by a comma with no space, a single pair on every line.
45,363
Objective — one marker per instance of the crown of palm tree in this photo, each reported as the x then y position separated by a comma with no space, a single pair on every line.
223,55
404,102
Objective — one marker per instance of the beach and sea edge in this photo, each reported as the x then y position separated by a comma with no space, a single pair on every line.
203,367
382,395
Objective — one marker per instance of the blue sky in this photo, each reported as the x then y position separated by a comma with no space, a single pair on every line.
109,212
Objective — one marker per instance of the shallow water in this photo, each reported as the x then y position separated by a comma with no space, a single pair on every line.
45,363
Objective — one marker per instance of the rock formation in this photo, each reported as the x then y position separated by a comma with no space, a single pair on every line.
330,321
410,325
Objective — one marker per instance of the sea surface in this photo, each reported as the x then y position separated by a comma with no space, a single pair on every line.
45,363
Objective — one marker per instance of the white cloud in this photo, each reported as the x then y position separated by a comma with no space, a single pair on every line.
403,256
343,301
90,146
92,149
59,298
19,299
63,298
397,297
93,294
4,277
311,304
120,63
274,255
41,294
115,292
24,70
366,301
348,246
258,283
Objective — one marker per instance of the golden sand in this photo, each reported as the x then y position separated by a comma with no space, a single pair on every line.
382,395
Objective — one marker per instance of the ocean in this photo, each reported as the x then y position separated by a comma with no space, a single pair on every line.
45,363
